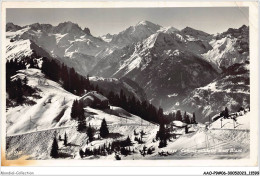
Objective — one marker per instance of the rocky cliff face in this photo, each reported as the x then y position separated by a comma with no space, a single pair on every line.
231,89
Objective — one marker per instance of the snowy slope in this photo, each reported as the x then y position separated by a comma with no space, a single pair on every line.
241,122
50,111
18,49
199,143
31,128
37,144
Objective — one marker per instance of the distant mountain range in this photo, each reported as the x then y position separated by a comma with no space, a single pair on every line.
177,69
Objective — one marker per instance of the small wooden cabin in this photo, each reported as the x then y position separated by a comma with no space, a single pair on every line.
95,100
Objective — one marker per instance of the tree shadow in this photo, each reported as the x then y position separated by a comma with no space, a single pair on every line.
114,135
59,116
64,155
190,132
71,144
225,124
90,113
122,113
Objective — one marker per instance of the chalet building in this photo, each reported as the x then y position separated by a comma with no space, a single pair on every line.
95,100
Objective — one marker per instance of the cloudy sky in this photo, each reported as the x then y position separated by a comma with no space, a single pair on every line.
101,21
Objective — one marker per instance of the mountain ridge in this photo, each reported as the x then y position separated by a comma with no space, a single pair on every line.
149,60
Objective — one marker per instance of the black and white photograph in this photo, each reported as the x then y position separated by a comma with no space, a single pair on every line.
155,83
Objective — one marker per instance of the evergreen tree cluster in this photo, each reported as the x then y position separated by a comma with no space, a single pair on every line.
103,150
17,89
178,116
68,77
139,139
146,151
143,109
107,149
77,113
12,67
225,113
76,110
162,135
116,145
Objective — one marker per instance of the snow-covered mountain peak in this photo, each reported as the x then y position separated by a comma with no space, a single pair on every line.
147,23
136,33
168,29
229,47
196,34
87,31
107,38
241,33
68,27
41,27
12,27
189,30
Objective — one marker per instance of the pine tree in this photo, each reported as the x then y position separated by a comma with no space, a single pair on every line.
160,115
162,143
178,115
81,153
81,118
74,110
128,141
186,129
19,91
103,129
25,80
186,118
193,118
65,139
54,149
161,133
90,133
226,113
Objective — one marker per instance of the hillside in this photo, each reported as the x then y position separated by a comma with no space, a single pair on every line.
50,111
231,89
178,69
214,143
129,87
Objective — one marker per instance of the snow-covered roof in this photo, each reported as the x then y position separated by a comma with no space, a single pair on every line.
88,97
178,123
94,94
